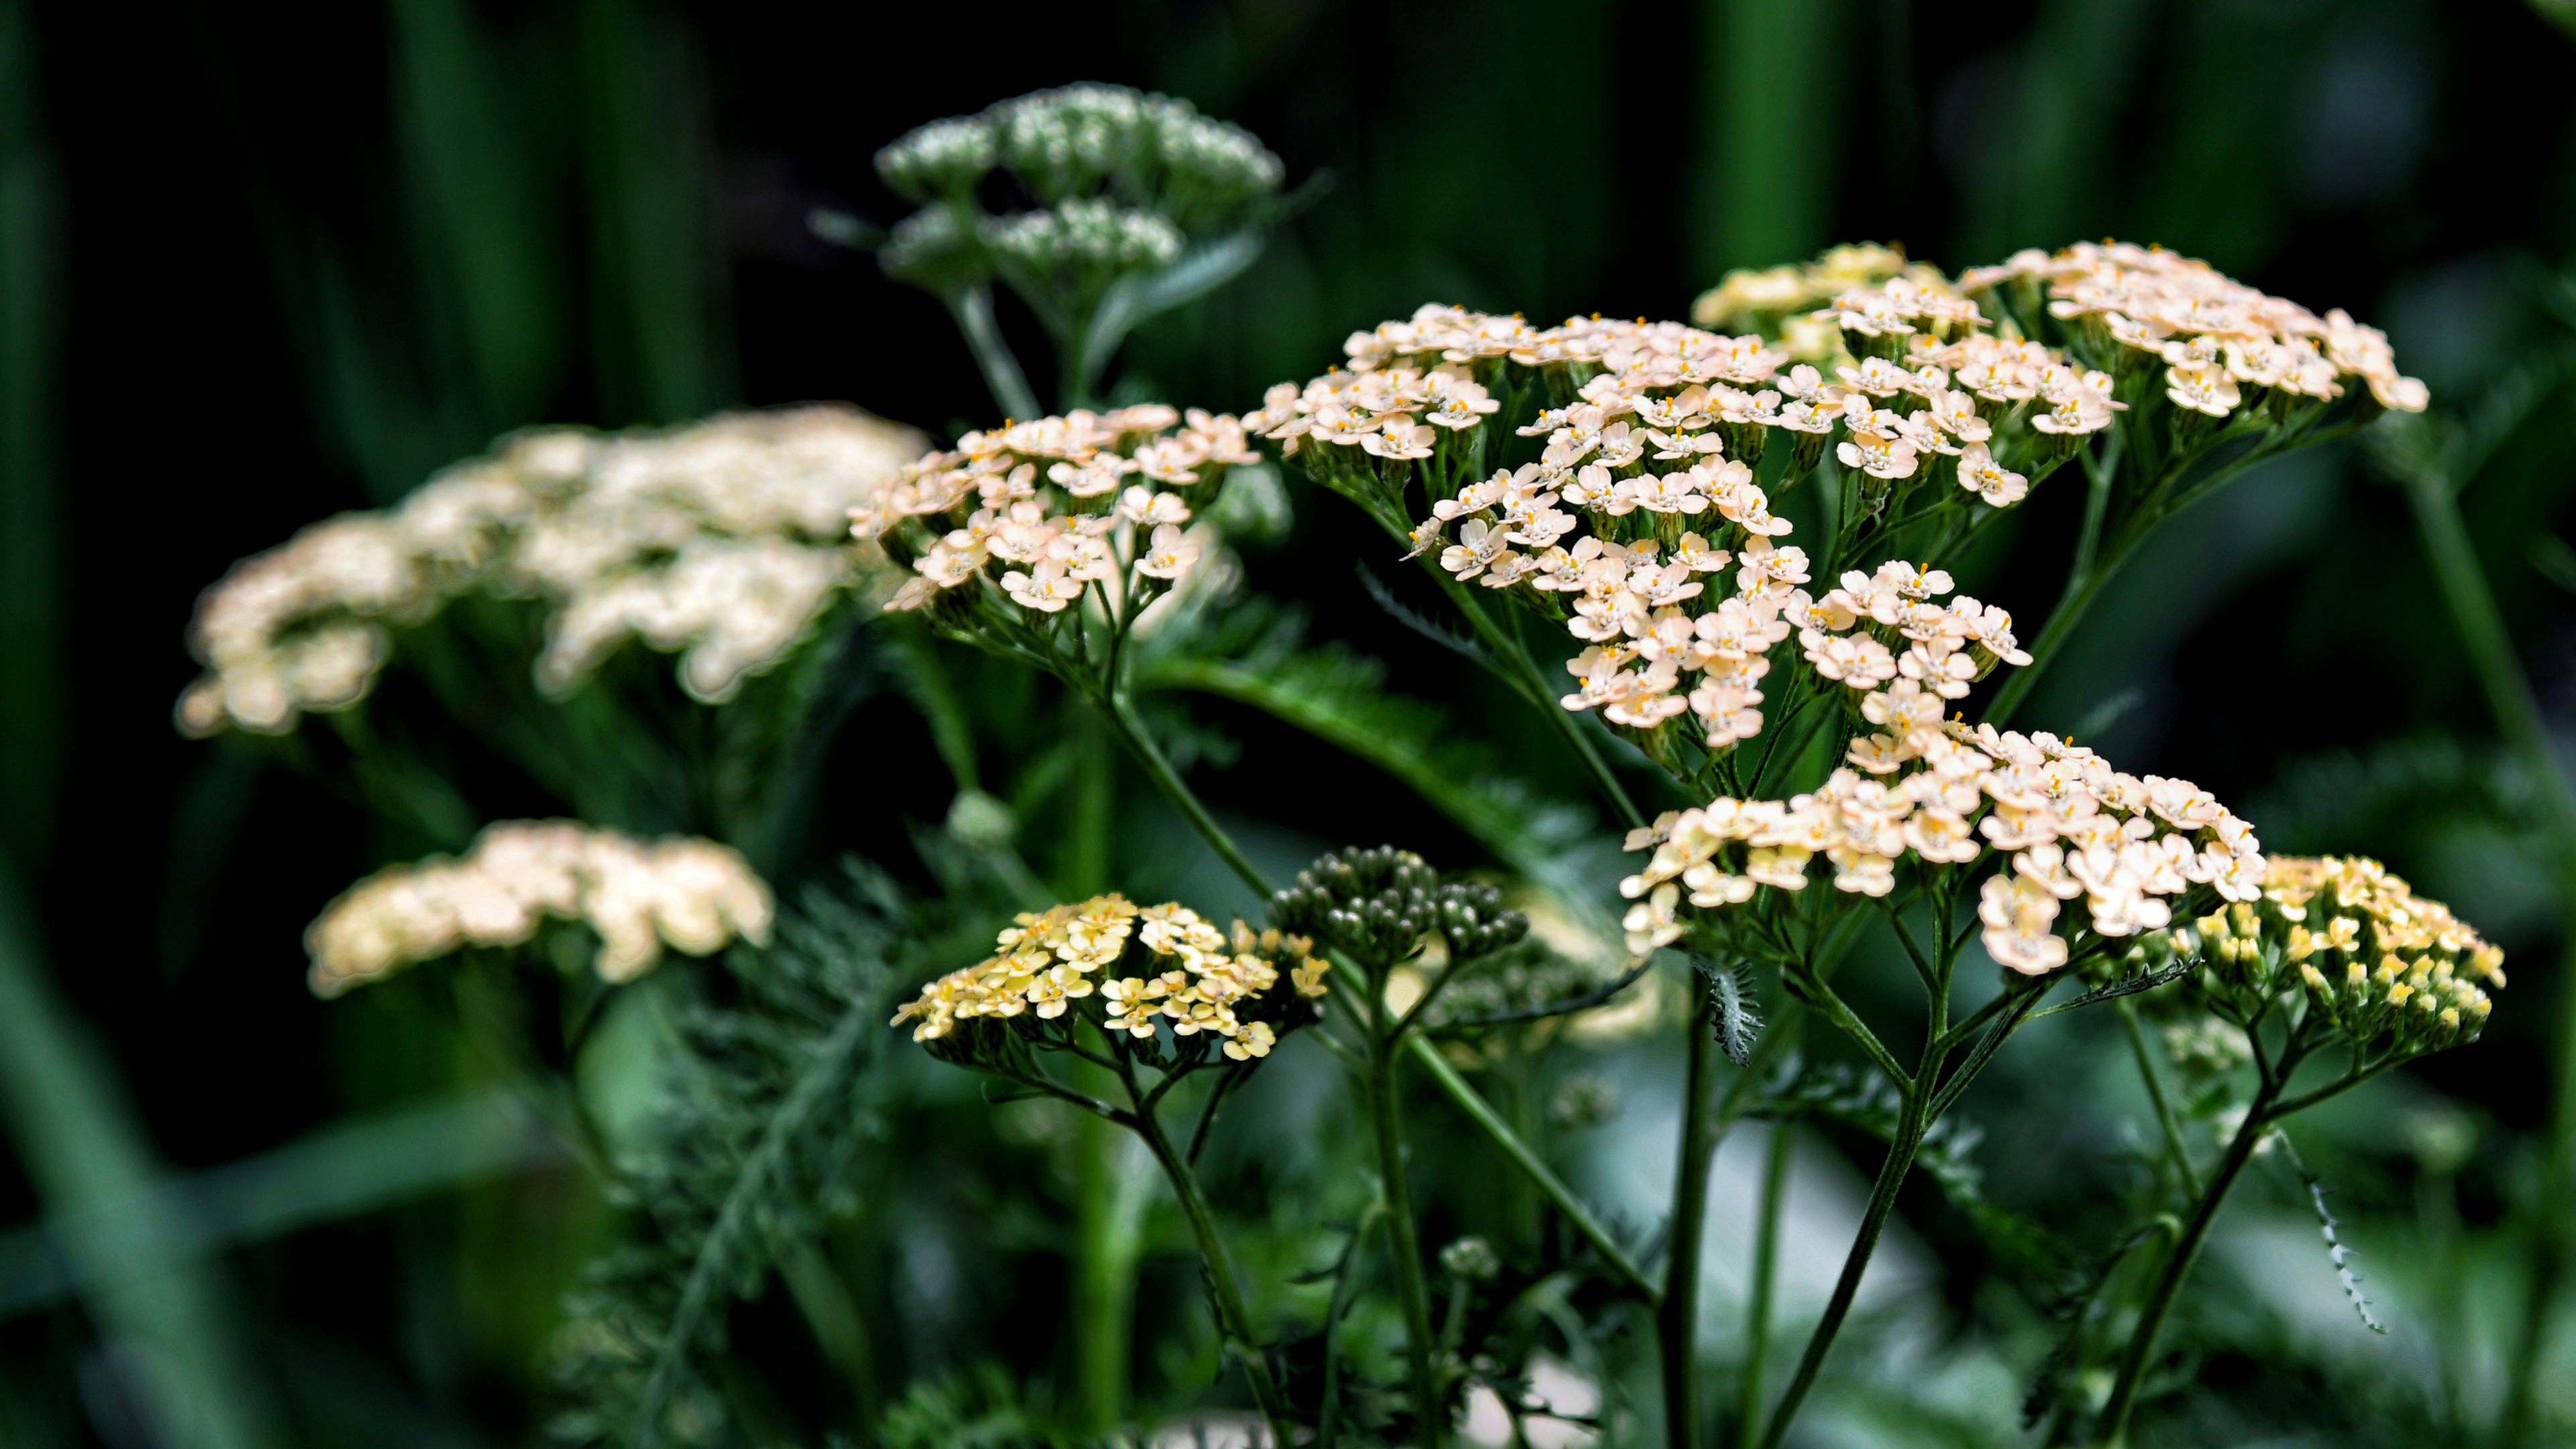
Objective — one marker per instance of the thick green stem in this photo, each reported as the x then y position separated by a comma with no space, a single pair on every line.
2160,1299
1766,1263
1517,1148
1882,1202
973,308
1386,1123
2080,594
1105,1217
2156,1094
1236,1324
1678,1320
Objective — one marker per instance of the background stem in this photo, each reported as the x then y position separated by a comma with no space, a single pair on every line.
1766,1262
2433,493
1517,1148
1386,1122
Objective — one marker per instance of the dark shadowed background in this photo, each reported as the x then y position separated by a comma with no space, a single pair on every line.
262,264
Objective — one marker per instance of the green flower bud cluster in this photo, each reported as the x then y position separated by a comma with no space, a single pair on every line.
1079,248
1380,905
941,161
1121,180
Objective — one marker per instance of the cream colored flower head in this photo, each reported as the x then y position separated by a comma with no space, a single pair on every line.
1048,512
2068,827
639,896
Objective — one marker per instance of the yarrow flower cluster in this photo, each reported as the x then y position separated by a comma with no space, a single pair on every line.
2219,339
1122,181
693,894
1038,512
1655,459
721,540
2073,827
1643,515
1193,979
2370,955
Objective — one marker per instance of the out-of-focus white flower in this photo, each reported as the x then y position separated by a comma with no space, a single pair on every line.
722,541
692,894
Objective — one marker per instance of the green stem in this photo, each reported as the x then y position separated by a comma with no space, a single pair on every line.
1131,733
972,306
1403,1245
2156,1094
1522,673
1236,1327
1901,1152
1677,1322
1514,1146
1105,1244
2071,608
1766,1262
2160,1299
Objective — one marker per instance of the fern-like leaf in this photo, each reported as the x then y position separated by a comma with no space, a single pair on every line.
756,1148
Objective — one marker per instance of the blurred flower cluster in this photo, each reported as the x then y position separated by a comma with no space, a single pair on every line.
695,895
722,541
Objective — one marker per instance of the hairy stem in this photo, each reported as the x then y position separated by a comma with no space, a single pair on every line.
1766,1262
2114,1422
1678,1320
1515,1147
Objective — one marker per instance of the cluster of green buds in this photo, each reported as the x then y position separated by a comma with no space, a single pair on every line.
1380,906
1064,193
2372,958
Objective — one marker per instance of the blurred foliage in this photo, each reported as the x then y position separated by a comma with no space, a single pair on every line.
257,266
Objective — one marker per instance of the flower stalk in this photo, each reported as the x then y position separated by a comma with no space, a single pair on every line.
2186,1249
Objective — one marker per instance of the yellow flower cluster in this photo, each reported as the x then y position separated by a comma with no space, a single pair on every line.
694,894
720,539
1196,977
1045,509
2371,953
